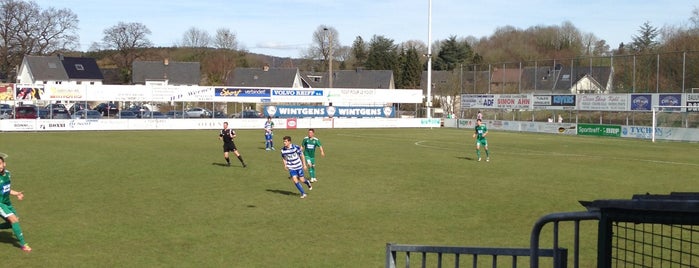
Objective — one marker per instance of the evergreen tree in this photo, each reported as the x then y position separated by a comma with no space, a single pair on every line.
411,69
383,54
359,52
453,53
645,40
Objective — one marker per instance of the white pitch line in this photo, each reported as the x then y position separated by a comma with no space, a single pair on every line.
419,143
540,153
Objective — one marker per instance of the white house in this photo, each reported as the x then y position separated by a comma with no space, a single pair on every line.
59,70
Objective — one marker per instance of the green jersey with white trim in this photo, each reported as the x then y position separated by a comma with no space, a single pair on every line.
309,146
480,130
5,184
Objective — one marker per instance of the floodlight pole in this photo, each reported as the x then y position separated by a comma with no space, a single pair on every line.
330,57
652,131
429,59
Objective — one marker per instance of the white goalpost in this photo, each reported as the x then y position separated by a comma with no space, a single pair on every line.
680,115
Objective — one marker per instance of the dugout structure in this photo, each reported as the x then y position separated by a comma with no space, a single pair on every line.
648,231
644,231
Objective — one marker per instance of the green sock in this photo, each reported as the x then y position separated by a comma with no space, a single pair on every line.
478,153
487,153
312,171
5,225
18,233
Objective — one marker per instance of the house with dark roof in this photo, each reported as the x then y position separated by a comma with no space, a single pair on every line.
558,79
566,80
47,70
166,72
359,78
500,76
265,77
292,78
450,82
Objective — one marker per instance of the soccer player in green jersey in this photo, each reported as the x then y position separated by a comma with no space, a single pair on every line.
309,145
481,132
7,211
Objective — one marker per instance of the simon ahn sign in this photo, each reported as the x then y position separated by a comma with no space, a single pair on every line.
328,111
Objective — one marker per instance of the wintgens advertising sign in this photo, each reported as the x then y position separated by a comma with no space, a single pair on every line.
328,111
599,130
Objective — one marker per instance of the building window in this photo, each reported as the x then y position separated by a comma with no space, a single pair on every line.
79,67
315,78
79,82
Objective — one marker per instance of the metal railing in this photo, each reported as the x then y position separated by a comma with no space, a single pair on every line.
646,231
392,250
558,254
556,218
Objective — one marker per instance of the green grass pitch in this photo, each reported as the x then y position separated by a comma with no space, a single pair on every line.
164,198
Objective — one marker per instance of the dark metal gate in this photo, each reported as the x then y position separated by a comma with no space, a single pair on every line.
648,231
645,231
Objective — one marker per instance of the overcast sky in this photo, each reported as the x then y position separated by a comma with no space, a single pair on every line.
284,28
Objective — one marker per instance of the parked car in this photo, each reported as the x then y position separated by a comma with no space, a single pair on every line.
175,114
219,114
138,110
249,114
87,114
5,111
79,106
197,112
107,109
56,111
153,115
126,114
43,113
56,107
26,112
59,114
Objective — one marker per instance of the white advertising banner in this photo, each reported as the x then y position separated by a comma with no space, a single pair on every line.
119,93
693,101
477,101
298,95
65,92
183,124
600,102
513,101
400,96
165,93
195,94
353,96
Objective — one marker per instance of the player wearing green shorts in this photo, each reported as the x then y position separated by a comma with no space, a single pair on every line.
7,211
481,132
309,146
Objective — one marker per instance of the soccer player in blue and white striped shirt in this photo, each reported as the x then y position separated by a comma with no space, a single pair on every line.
294,161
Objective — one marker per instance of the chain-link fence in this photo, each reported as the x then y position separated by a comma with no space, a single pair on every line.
670,72
676,72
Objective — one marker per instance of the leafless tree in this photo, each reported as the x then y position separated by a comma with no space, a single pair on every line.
225,39
695,18
26,29
325,40
588,42
601,48
128,40
195,37
419,46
